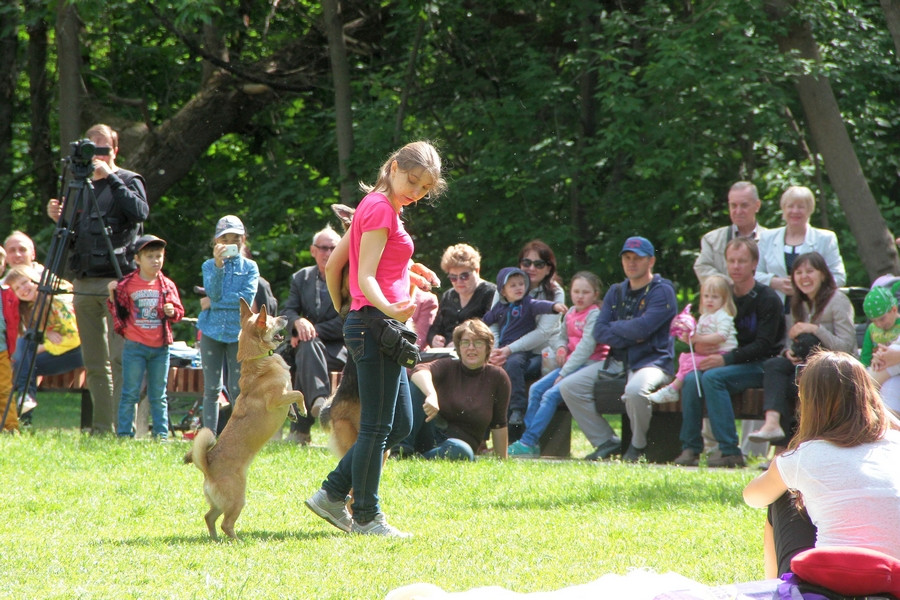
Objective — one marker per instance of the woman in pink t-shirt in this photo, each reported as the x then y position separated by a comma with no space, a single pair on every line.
378,249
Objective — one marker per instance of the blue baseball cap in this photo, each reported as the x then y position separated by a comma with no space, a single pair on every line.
639,245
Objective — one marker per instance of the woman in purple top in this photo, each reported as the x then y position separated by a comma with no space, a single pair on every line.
378,249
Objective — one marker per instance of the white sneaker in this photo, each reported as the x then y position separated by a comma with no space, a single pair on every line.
316,408
378,526
664,395
28,404
335,512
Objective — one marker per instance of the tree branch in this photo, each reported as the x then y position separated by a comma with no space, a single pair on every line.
237,71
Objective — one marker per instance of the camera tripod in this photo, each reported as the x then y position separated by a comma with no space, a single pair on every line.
78,202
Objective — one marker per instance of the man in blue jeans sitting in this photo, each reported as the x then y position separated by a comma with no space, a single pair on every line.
760,331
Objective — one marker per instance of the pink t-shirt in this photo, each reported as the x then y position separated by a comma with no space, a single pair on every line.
376,212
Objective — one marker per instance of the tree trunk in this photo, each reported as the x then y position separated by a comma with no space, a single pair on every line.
583,179
167,153
891,10
69,63
214,44
409,80
8,44
340,75
41,153
877,249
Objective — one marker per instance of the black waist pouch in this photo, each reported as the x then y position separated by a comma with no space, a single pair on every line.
397,341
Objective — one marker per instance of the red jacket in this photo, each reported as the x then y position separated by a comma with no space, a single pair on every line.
11,316
124,307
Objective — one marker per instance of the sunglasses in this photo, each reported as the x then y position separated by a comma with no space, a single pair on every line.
538,264
325,248
464,276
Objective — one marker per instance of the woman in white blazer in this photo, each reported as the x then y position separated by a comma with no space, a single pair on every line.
779,247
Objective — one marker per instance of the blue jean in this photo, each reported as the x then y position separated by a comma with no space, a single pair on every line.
44,364
543,400
718,385
139,360
451,449
213,355
429,440
385,418
521,366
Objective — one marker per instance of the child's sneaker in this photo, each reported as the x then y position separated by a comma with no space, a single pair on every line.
664,395
517,448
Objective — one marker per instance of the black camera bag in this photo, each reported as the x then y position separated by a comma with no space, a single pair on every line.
397,341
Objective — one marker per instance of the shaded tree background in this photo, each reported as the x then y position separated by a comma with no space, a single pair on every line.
580,122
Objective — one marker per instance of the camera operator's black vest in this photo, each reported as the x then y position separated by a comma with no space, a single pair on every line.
90,253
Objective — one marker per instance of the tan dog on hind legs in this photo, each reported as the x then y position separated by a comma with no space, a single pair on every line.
259,411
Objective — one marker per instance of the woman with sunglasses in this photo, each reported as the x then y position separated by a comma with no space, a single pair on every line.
469,298
539,263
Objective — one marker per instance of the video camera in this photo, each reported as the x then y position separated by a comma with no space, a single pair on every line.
81,157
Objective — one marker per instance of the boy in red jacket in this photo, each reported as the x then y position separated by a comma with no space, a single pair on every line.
144,304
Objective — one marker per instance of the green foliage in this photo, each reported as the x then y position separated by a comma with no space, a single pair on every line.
683,100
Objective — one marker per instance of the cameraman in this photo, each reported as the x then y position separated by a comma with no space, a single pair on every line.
122,203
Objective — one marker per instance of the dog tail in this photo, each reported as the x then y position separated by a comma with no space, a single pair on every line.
347,391
203,441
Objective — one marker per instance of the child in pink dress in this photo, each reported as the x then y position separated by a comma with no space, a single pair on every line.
715,326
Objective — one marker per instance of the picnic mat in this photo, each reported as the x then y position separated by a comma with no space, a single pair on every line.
640,584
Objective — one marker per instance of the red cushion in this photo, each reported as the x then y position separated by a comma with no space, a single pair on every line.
849,571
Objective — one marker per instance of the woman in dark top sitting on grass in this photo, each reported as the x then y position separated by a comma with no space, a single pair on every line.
456,402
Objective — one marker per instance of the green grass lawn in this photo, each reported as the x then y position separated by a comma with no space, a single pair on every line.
86,517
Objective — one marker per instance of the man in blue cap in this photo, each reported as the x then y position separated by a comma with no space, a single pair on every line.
634,322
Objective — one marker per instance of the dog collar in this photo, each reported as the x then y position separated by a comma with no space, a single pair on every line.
264,355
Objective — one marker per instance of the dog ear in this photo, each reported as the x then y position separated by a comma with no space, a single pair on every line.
246,311
261,321
344,213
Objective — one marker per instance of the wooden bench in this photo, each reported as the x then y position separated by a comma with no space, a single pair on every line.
182,382
663,443
70,382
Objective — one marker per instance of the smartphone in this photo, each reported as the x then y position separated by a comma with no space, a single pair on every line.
230,250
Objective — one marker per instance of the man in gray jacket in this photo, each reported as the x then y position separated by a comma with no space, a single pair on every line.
317,337
743,206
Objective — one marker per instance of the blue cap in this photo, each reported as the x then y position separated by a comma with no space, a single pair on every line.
639,245
229,224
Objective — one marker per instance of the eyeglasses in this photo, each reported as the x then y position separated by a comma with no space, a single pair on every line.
325,248
472,344
464,276
538,264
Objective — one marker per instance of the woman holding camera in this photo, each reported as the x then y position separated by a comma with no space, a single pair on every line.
378,250
822,316
227,277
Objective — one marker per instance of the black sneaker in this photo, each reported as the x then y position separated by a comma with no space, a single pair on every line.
728,461
517,417
606,449
633,455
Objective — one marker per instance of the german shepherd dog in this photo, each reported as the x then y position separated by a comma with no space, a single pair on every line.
340,414
259,411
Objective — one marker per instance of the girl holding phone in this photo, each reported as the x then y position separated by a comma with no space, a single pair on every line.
227,277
